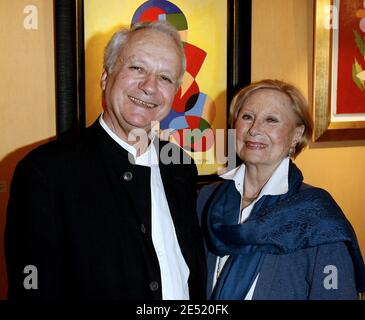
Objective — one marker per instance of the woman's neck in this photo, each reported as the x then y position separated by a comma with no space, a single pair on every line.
255,179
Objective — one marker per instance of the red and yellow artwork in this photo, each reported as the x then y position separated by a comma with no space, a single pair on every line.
351,58
200,104
191,108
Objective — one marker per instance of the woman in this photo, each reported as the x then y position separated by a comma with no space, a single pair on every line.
269,235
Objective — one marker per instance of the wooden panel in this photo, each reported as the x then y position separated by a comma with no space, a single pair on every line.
27,100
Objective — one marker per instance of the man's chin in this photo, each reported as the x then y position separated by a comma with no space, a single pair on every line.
138,129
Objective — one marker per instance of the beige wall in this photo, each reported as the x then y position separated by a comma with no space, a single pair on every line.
282,48
27,99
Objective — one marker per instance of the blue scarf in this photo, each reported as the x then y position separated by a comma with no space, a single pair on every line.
301,218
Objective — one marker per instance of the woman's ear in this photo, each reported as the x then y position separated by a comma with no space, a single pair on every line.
104,76
298,134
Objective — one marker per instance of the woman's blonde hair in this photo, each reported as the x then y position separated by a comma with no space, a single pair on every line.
298,102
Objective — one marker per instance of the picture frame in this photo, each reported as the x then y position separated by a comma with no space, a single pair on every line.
71,102
334,103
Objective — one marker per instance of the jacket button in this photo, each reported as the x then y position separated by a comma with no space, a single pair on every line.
154,286
143,228
127,176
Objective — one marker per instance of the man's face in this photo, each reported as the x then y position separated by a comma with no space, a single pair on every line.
143,83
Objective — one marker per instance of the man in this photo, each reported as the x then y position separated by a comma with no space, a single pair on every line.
94,217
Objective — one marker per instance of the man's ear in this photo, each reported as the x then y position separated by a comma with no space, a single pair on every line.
104,76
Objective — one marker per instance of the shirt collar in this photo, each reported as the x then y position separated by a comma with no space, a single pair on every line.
147,159
278,183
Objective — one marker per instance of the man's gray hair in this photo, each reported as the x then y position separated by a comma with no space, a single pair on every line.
121,37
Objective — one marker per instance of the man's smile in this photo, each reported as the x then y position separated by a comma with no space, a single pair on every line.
143,103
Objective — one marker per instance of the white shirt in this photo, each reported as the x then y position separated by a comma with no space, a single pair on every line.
276,185
173,268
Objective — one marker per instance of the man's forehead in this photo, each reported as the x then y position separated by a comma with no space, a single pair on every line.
152,39
157,41
148,35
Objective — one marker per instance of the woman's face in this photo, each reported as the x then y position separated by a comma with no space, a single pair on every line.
266,128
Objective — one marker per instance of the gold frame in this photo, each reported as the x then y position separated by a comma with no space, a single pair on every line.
324,129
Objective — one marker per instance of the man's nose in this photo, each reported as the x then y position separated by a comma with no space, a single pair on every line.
148,84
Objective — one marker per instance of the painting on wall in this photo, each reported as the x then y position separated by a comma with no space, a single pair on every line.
339,70
216,35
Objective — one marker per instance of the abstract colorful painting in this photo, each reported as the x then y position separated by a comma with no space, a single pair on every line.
191,109
200,104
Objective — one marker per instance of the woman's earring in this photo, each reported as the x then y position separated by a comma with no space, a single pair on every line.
291,151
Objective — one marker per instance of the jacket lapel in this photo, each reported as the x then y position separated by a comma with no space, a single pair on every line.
134,180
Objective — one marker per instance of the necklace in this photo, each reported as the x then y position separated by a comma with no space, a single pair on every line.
249,199
246,202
